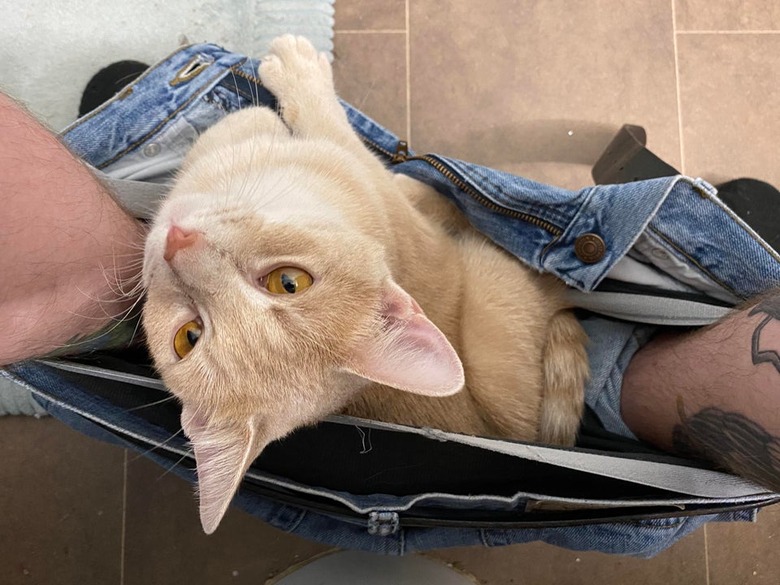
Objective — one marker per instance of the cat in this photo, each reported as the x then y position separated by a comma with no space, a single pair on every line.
290,275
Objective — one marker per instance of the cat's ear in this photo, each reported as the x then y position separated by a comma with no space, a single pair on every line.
223,454
409,353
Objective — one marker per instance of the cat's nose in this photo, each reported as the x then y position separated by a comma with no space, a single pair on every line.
178,239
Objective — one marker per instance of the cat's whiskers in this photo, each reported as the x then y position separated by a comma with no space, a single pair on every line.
117,284
138,321
258,172
138,250
155,403
273,191
150,209
172,467
228,178
87,339
246,193
157,445
105,314
117,278
118,295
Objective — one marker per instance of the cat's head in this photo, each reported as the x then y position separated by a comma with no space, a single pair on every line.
267,309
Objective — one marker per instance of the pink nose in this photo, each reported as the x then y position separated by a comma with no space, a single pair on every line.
178,239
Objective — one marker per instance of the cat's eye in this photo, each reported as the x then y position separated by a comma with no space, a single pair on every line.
287,280
186,337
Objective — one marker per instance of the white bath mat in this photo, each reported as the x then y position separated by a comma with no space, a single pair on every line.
50,50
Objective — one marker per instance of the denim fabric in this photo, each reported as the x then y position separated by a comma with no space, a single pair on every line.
611,346
98,418
674,223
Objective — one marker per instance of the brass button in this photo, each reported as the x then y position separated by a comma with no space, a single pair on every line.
590,248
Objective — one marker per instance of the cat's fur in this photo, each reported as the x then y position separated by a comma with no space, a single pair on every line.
382,248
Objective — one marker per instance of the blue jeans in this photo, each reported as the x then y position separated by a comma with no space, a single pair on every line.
674,224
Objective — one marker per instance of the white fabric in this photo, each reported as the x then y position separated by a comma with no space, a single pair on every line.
649,309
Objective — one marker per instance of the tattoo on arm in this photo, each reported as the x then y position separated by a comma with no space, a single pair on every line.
733,442
770,307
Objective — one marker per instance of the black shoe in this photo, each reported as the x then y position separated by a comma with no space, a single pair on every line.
107,82
757,203
627,159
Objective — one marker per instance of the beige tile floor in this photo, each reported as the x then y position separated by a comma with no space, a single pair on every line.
535,87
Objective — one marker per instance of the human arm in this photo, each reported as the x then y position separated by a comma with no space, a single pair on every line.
66,247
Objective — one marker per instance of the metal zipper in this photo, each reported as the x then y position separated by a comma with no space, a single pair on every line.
455,519
401,154
374,146
236,69
499,520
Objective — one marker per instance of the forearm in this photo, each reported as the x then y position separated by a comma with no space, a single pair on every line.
714,393
65,244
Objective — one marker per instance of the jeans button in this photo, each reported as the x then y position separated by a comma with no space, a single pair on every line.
590,248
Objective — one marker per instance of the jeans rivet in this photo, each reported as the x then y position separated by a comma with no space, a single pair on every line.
152,149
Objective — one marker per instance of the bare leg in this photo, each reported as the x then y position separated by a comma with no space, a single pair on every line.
64,243
714,393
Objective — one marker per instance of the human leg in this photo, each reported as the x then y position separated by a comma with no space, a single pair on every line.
713,393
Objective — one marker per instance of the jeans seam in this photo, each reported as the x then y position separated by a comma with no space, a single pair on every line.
547,250
120,95
162,123
483,177
677,522
297,522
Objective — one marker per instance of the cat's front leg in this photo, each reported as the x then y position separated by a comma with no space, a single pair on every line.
302,81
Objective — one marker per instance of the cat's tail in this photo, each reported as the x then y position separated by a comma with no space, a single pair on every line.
565,372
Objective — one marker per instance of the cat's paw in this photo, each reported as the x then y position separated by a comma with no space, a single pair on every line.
294,65
302,81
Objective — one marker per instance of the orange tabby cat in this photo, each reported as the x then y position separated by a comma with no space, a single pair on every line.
290,276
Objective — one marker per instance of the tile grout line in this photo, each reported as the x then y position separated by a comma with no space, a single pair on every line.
124,521
729,32
706,557
408,80
677,88
355,31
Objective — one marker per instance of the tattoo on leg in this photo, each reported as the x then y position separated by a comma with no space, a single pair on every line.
771,308
733,442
